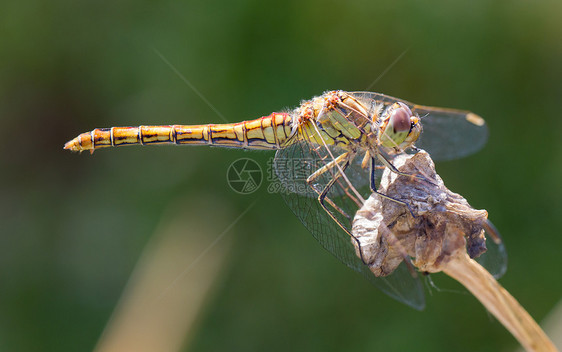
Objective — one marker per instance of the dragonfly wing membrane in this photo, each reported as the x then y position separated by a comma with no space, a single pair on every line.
450,134
446,133
495,257
302,197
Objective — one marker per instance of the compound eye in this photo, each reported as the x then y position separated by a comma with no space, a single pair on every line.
400,119
398,127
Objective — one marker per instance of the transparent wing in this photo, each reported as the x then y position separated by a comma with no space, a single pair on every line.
447,133
293,166
495,257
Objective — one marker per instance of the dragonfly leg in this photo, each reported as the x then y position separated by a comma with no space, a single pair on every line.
374,186
393,168
345,157
323,198
392,239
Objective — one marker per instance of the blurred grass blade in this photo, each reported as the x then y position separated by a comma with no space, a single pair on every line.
161,302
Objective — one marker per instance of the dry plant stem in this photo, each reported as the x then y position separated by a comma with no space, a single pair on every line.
443,236
499,302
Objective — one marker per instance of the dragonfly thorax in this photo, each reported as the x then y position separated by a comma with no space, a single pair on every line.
339,118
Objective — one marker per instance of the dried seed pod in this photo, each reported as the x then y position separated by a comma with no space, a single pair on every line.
423,220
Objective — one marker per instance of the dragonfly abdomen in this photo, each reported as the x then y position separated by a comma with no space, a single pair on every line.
268,132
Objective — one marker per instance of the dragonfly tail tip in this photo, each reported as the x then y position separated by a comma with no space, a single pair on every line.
73,146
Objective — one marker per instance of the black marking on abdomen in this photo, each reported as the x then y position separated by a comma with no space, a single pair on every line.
139,136
173,136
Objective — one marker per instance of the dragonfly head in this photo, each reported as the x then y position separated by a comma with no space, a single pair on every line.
400,127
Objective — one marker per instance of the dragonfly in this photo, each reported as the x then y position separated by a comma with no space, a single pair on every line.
330,152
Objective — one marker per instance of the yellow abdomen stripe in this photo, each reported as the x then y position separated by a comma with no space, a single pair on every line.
268,132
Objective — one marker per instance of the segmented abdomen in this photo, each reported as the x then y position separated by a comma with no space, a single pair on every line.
268,132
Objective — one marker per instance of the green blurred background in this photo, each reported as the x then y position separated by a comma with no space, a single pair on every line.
73,226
